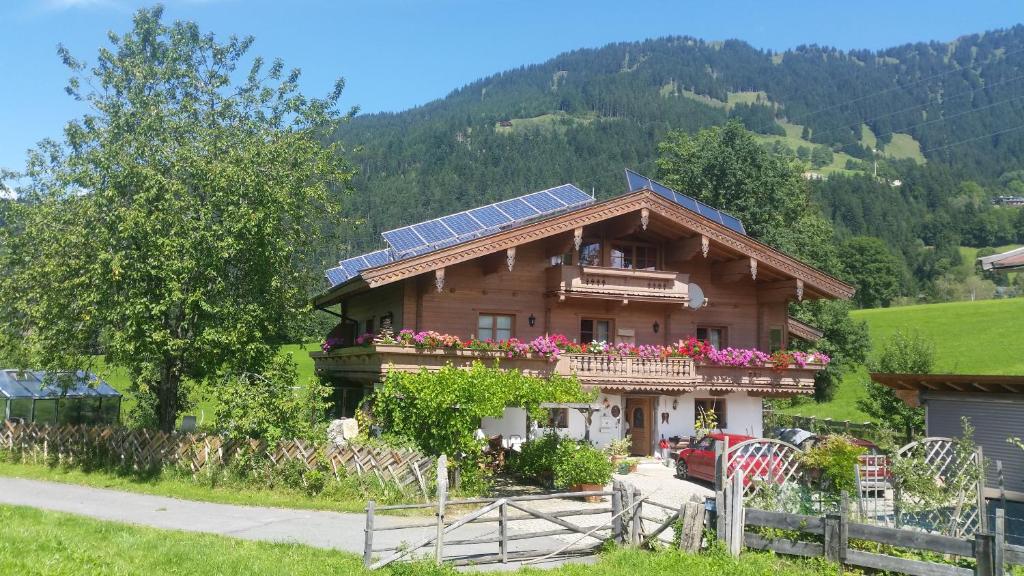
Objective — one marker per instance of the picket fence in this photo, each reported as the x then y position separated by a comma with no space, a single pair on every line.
141,449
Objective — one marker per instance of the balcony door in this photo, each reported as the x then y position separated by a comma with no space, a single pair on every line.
638,416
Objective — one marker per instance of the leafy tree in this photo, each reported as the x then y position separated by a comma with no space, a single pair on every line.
903,353
821,156
172,228
725,167
272,405
873,269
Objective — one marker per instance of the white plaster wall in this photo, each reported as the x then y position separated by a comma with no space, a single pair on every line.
511,423
745,414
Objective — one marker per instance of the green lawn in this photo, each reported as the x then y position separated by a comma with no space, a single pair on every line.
37,543
983,337
343,498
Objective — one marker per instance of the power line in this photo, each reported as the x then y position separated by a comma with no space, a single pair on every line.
958,114
973,139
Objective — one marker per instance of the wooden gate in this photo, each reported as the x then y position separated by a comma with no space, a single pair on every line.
764,465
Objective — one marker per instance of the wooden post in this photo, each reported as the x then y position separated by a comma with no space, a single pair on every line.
736,514
844,525
982,508
442,497
692,517
983,544
368,536
503,532
721,513
999,543
617,514
635,526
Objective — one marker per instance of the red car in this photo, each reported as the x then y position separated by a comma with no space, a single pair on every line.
698,461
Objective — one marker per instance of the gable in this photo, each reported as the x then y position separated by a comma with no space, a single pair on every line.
723,233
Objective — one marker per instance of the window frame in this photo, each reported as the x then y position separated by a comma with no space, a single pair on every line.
631,246
494,325
558,416
772,347
600,252
593,331
723,338
721,415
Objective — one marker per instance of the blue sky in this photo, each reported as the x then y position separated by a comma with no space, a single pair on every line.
395,54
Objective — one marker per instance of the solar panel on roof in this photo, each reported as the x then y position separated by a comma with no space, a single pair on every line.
517,209
637,182
490,216
377,258
433,231
462,224
336,275
544,202
403,239
571,195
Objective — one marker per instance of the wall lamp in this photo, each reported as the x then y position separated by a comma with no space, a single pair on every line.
532,320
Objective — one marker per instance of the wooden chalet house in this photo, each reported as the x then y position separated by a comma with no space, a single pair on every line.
652,266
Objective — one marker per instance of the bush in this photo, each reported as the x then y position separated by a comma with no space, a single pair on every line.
536,460
833,462
440,411
580,463
268,405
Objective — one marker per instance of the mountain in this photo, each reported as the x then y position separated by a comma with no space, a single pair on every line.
940,114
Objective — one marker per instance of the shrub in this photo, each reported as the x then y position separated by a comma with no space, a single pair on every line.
833,461
536,460
580,463
440,411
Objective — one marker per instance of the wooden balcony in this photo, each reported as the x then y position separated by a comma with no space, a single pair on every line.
617,284
368,365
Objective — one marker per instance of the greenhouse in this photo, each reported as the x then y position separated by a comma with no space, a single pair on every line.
81,398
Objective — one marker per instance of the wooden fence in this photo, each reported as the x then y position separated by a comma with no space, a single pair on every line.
867,430
830,535
141,449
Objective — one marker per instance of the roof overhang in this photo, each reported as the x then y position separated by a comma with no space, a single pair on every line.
816,283
955,383
1012,260
803,330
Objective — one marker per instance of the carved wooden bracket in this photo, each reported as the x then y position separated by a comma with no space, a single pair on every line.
577,237
510,257
439,279
645,217
799,290
705,245
753,269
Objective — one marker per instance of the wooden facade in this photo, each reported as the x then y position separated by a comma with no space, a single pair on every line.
622,270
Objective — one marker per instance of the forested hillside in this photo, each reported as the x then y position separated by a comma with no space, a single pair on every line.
946,119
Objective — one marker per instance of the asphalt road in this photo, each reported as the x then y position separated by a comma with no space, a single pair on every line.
333,530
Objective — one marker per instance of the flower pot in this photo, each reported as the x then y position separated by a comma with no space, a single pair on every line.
589,488
616,458
632,467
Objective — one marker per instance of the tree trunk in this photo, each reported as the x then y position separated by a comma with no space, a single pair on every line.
167,396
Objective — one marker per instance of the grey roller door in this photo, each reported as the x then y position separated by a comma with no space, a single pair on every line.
994,422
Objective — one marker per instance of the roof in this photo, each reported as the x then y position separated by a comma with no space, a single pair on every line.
1012,260
966,383
723,229
35,384
803,330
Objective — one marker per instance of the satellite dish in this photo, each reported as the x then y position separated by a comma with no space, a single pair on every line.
697,298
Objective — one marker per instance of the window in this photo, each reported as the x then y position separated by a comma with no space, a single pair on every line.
369,326
634,257
590,254
714,335
595,330
706,406
622,257
775,339
558,418
494,327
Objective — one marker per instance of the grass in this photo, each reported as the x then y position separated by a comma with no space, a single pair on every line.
793,140
166,484
36,543
904,146
983,337
556,121
206,405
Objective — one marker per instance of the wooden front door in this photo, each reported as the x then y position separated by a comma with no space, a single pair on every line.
638,415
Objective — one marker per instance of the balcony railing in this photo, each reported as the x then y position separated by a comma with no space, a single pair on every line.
367,364
617,283
627,368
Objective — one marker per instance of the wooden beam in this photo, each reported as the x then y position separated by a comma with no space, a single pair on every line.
781,290
623,226
492,263
687,248
733,270
559,245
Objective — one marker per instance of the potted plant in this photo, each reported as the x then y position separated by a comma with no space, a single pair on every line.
619,449
581,468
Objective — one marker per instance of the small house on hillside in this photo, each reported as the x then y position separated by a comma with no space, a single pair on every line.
616,284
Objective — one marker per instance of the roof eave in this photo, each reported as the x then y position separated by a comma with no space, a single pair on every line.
337,293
